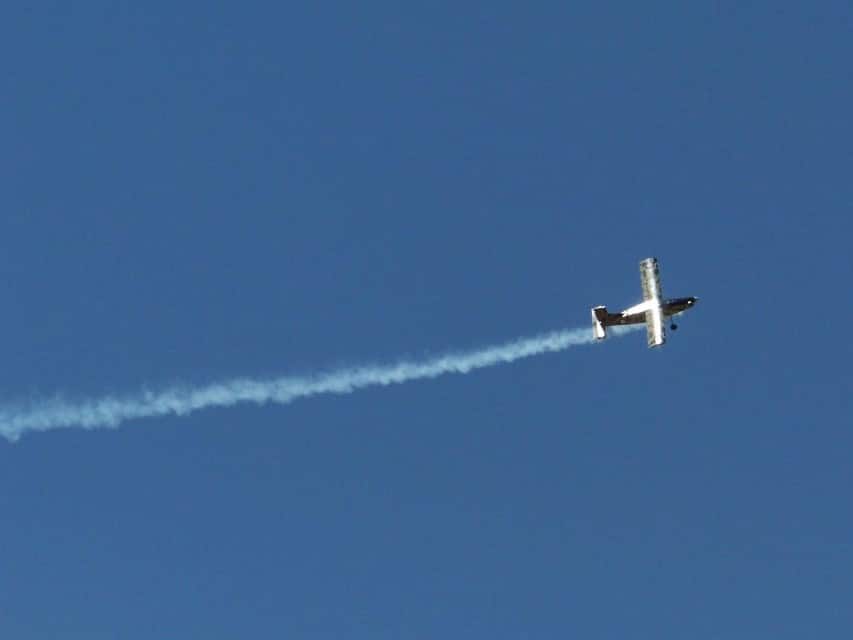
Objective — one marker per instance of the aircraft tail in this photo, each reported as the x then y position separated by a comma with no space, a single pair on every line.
599,330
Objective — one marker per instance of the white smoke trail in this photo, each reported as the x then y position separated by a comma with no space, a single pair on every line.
109,412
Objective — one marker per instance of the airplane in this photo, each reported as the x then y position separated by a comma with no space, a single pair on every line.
652,311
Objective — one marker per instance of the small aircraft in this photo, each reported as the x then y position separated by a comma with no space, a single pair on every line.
652,310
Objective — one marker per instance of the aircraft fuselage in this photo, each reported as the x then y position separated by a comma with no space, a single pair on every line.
636,315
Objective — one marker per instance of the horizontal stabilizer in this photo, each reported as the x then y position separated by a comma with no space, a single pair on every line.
599,330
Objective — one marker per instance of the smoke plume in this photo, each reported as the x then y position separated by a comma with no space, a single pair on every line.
111,411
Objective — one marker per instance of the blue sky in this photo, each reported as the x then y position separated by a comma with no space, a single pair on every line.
203,191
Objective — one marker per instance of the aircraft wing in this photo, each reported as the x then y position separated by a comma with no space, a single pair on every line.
650,279
655,327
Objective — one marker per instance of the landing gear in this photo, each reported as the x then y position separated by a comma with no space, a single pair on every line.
673,326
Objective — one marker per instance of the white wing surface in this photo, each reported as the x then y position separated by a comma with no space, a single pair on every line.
655,328
650,278
652,295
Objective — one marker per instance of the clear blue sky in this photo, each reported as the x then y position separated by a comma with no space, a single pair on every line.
198,190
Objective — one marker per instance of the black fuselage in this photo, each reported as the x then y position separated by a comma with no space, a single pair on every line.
677,305
671,307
